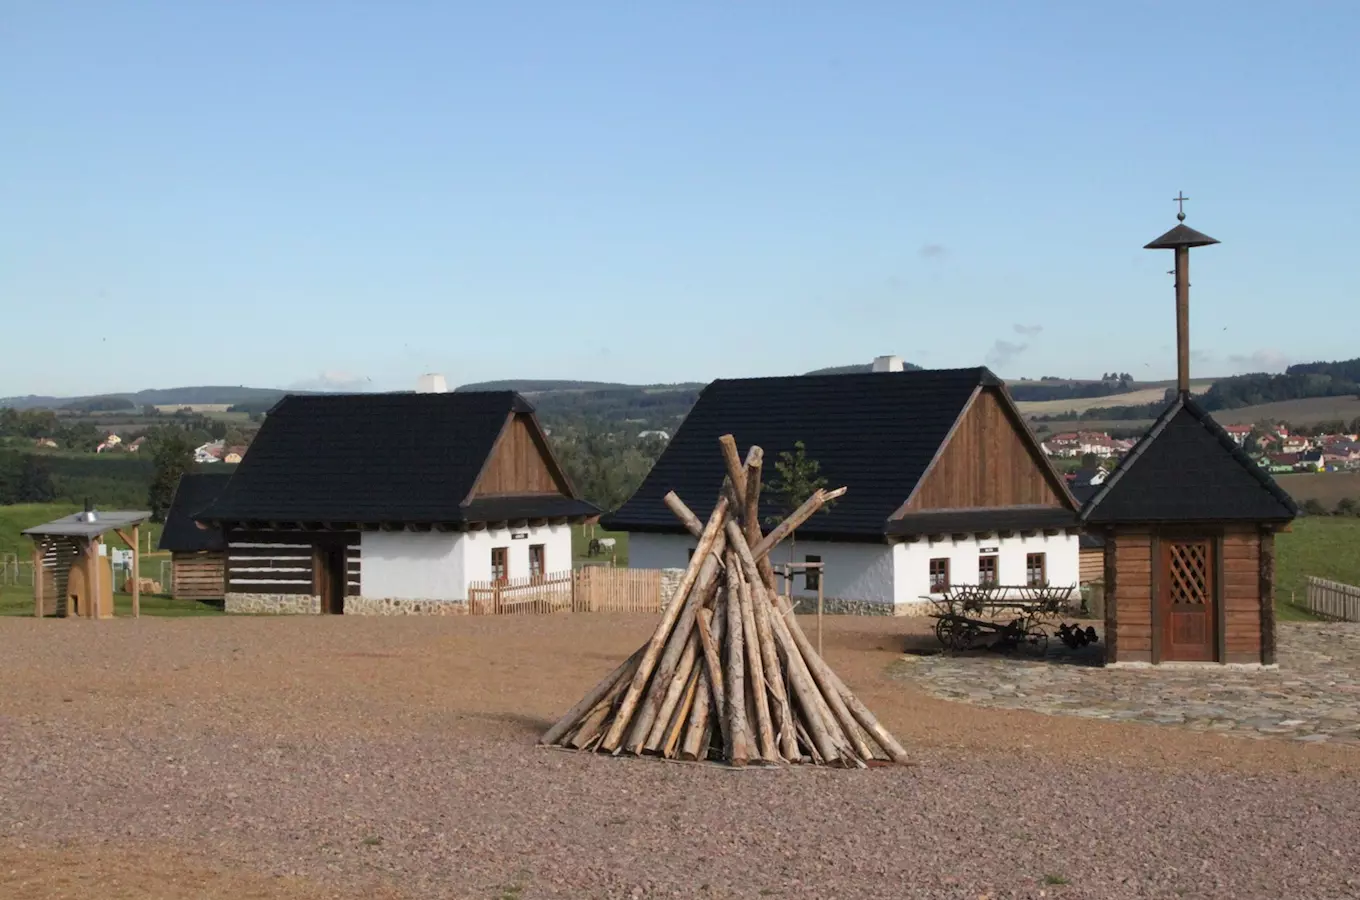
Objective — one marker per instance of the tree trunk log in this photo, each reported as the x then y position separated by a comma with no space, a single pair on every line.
826,681
738,746
798,517
755,664
647,664
817,717
709,635
564,724
683,513
680,717
755,461
675,692
709,700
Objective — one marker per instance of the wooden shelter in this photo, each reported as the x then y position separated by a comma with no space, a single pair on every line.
1188,521
196,551
71,578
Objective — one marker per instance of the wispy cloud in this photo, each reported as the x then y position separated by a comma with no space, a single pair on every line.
332,380
1005,352
933,251
1264,360
1027,330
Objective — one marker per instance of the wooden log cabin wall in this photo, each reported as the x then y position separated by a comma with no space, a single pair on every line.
289,562
198,576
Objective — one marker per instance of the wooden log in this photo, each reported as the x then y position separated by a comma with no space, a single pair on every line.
587,703
674,693
755,664
651,709
796,518
652,652
817,717
681,715
738,744
755,461
709,635
38,553
782,711
736,472
709,700
683,513
848,700
593,723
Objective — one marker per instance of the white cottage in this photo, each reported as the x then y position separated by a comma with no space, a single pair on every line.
947,484
392,503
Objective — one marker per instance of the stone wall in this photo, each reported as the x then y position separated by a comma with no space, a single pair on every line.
392,606
274,604
670,580
835,606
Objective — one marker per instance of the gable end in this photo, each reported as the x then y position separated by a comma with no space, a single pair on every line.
520,463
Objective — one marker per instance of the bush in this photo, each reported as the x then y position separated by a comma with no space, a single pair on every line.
1347,506
1313,507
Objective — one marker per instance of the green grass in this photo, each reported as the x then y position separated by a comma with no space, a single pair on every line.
1322,546
18,601
580,542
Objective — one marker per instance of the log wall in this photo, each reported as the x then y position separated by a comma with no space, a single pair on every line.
1091,566
1241,595
281,562
198,576
518,463
1129,596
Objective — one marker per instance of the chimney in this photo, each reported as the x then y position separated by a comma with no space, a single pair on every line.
431,383
89,515
1181,239
887,364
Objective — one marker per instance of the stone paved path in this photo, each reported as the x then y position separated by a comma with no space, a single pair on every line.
1313,696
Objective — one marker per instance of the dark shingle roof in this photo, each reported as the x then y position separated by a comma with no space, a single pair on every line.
192,495
1007,518
1188,469
375,459
874,433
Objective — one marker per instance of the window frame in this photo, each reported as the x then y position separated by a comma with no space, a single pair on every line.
538,560
943,586
1043,569
995,566
811,577
503,553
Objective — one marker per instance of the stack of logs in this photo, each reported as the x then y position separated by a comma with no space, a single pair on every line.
729,674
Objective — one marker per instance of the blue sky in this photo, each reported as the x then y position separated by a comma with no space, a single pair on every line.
295,194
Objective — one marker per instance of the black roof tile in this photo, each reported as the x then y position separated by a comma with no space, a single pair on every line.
874,433
1007,518
375,459
192,495
1188,469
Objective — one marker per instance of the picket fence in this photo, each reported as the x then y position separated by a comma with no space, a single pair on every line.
590,589
1332,599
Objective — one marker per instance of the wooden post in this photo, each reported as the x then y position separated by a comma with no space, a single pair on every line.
137,572
820,572
38,552
92,583
1183,320
1267,589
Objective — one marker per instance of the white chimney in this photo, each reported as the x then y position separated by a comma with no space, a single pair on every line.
432,383
887,364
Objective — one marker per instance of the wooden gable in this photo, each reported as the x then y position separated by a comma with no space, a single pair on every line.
989,460
520,463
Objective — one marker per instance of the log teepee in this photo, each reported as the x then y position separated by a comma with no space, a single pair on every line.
729,674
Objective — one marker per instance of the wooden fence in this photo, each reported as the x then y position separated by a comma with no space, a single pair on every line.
592,589
1332,599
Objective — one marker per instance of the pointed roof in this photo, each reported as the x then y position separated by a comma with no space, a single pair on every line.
1181,236
193,494
1188,469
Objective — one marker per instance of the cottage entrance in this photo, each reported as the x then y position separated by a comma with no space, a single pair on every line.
331,577
1186,600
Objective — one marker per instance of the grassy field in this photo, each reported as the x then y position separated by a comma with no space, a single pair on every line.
1320,546
1309,411
580,543
1325,487
18,601
14,519
1082,404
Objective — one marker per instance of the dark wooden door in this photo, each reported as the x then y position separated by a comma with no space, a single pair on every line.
330,578
1187,600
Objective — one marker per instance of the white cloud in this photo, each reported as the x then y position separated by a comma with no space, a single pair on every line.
1264,360
1004,352
933,251
1027,330
332,380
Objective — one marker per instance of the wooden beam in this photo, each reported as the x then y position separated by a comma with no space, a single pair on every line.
136,572
1267,590
39,550
1028,532
1220,614
939,452
1155,553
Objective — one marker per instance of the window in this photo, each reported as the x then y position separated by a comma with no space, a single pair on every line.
939,576
1036,570
500,567
812,577
536,555
987,570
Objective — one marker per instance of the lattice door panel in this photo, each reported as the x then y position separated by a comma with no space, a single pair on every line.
1187,599
1188,571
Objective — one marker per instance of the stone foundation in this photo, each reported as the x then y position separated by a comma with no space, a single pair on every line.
273,604
670,580
395,606
836,606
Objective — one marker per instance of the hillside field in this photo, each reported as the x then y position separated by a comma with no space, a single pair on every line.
1308,411
1322,546
1140,397
1325,487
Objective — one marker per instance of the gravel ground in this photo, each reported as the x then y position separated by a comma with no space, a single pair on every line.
395,757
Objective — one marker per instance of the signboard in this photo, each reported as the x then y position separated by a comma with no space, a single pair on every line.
987,551
519,535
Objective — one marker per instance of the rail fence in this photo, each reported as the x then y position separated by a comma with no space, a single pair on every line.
591,589
1332,599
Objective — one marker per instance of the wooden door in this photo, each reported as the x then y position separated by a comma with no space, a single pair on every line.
330,578
1187,600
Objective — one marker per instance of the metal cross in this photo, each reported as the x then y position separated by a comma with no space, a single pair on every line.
1180,199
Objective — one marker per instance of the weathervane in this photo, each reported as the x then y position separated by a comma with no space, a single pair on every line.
1181,239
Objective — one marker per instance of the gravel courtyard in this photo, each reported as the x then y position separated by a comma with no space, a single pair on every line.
395,758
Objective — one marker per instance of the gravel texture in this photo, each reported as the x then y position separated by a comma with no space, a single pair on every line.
377,758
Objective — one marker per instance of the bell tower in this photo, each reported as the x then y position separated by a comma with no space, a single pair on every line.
1181,239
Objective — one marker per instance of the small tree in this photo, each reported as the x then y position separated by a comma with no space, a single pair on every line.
174,455
1347,506
798,478
1313,507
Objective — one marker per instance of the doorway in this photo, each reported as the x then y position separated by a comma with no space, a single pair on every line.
1186,600
331,578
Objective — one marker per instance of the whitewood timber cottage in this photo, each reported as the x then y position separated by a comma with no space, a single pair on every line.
392,503
947,485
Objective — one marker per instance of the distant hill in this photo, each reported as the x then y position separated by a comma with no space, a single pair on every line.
548,386
858,369
154,397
